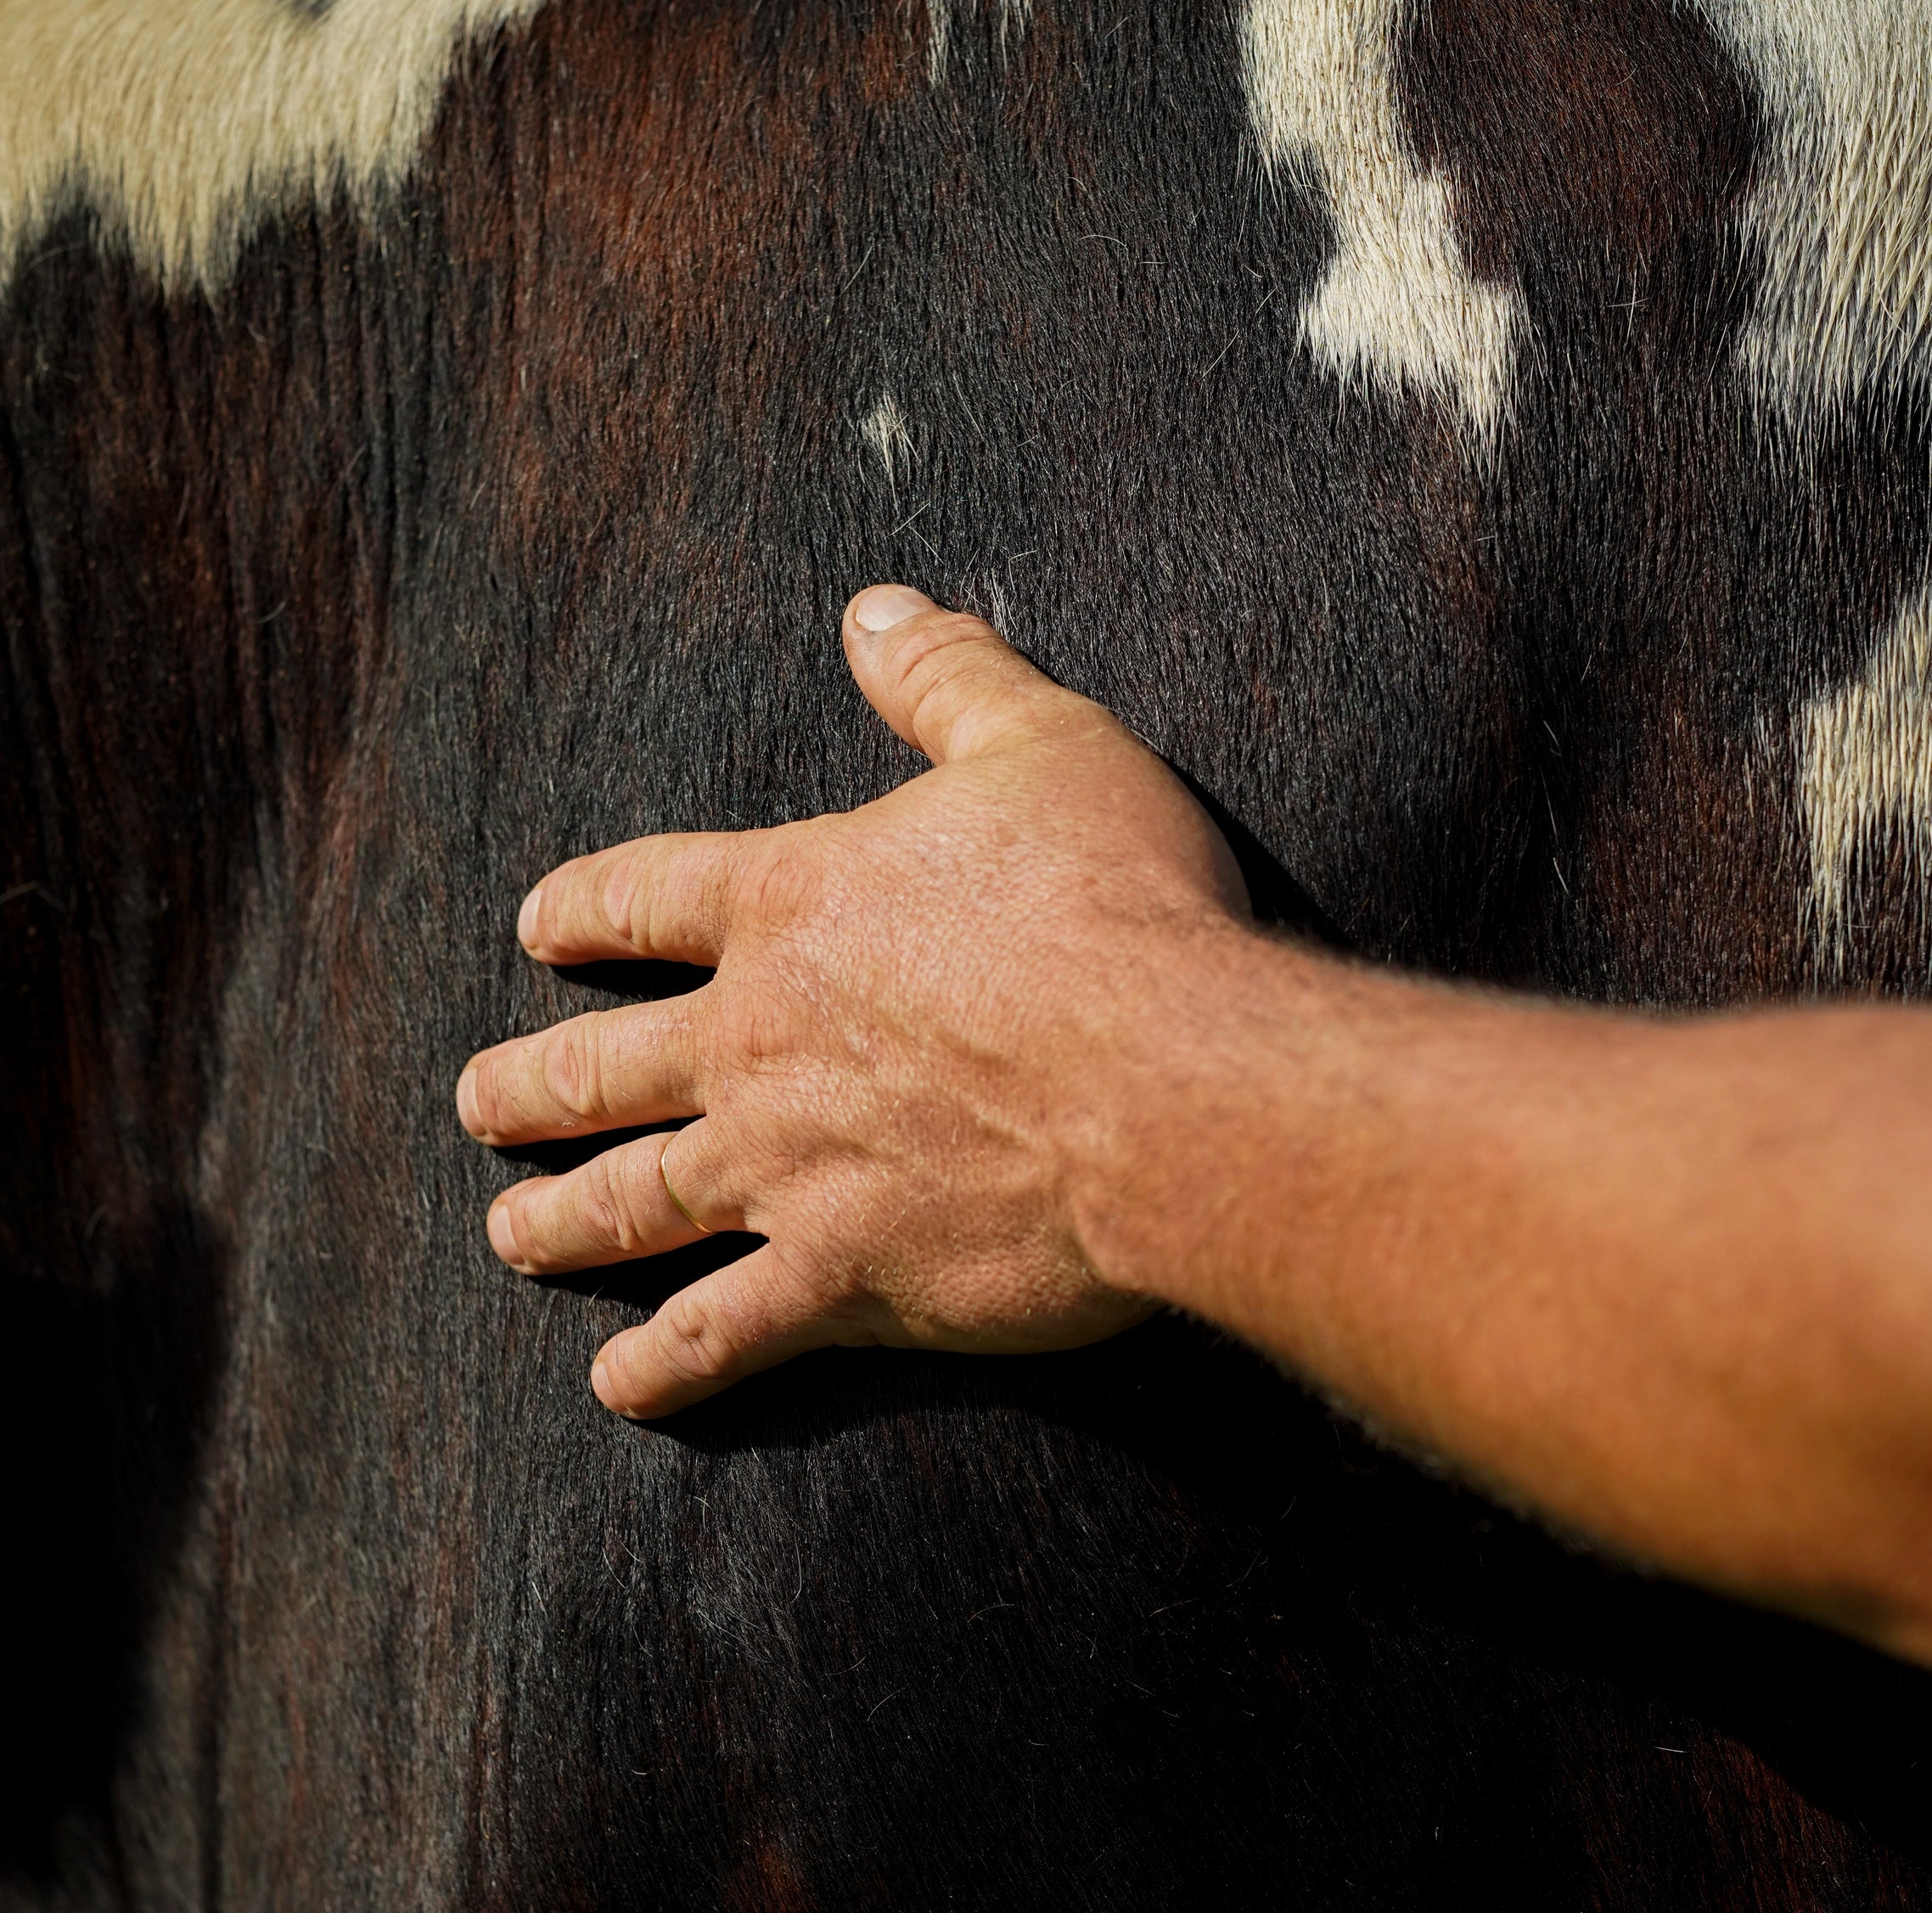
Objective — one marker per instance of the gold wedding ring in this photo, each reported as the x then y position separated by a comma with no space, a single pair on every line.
665,1178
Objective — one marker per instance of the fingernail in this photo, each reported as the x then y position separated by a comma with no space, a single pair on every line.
526,918
600,1384
466,1100
883,606
502,1238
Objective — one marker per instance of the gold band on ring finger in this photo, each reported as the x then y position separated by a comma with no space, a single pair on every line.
664,1176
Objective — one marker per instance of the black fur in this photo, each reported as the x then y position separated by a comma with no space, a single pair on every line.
517,520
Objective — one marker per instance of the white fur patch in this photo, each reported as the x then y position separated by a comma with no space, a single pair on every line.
939,39
1841,209
184,123
1398,305
1841,215
1014,17
883,428
1865,766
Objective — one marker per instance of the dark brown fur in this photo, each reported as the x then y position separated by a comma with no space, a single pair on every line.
516,520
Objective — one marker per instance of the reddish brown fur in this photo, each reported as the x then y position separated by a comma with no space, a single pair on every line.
518,521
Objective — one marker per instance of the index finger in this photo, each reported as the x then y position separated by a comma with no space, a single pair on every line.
671,897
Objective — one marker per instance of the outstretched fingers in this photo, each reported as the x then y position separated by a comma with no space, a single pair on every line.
752,1315
672,897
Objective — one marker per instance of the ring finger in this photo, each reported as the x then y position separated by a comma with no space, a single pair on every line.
616,1208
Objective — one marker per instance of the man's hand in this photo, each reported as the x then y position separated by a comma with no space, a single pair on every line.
888,1068
993,1062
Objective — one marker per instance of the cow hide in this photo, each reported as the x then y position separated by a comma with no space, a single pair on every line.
1484,445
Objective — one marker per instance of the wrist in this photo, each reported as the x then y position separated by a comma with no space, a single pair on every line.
1218,1063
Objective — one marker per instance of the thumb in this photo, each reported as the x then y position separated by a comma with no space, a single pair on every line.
946,682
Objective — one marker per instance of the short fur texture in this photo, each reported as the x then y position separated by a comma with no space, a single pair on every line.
1866,770
1396,302
183,126
1839,218
370,544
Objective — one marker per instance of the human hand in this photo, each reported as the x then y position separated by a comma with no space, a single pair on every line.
900,1068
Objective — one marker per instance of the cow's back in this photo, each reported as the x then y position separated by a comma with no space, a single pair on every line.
1485,447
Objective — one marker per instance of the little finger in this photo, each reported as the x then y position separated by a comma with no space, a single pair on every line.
752,1314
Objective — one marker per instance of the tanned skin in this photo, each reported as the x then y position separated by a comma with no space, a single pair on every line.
1000,1063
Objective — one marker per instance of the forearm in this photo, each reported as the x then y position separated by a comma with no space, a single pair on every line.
1669,1282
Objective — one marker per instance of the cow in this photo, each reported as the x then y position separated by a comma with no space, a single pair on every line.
1484,447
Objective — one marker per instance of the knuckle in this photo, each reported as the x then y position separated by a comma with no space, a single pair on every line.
618,896
693,1341
952,648
602,1207
939,679
669,900
950,628
786,884
573,1067
754,1030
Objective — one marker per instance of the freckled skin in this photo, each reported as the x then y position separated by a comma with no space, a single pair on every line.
1666,1280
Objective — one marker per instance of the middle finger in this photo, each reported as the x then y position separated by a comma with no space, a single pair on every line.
608,1069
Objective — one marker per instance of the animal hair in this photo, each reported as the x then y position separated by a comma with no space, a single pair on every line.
437,439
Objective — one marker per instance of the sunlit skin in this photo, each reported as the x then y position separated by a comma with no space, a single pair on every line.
999,1062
